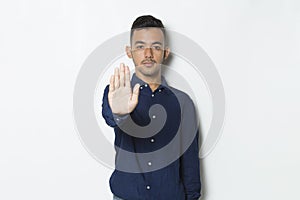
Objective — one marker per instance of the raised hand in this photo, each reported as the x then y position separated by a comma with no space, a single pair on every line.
122,100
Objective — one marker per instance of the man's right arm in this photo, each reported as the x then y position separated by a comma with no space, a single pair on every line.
110,118
118,99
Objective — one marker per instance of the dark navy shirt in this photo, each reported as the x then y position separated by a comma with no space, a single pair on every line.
156,146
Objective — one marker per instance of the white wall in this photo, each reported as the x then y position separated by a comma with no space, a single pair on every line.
254,44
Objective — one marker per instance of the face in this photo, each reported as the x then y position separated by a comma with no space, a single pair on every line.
148,51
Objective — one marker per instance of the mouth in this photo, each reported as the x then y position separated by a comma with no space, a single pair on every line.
148,64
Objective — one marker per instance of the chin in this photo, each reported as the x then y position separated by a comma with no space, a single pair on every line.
148,71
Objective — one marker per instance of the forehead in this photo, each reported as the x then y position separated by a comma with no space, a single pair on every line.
148,35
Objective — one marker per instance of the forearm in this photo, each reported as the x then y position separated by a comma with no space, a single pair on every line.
190,171
111,119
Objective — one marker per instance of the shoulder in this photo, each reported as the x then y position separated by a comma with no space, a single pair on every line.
187,106
181,95
184,99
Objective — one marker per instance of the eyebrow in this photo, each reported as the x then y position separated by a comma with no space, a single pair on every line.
142,42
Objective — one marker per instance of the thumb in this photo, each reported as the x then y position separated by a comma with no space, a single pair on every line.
135,93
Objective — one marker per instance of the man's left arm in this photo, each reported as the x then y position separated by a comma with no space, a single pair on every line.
189,161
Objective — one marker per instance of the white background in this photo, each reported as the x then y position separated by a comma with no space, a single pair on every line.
254,44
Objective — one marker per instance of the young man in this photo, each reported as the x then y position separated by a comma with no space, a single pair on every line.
143,128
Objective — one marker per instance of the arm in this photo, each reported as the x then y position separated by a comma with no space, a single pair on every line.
118,98
110,118
189,161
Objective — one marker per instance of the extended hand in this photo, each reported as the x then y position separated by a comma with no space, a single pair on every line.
121,98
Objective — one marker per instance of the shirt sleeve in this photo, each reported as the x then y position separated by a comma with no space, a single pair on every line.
111,119
189,161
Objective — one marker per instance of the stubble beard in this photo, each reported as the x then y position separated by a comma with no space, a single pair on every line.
152,72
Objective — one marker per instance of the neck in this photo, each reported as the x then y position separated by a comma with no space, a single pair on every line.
152,81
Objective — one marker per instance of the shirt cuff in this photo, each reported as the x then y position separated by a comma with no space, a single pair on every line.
119,119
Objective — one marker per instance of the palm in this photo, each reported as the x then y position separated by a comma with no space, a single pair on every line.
121,98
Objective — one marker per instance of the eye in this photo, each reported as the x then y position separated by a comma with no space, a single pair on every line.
157,47
140,47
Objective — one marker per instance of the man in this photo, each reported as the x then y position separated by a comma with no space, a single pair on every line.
148,118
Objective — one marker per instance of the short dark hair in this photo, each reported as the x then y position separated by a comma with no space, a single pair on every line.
147,21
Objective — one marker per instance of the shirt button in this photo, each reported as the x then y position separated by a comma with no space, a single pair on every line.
152,95
152,140
148,187
146,85
141,87
149,163
153,116
159,90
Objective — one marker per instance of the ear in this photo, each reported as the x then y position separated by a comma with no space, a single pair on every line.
128,51
166,53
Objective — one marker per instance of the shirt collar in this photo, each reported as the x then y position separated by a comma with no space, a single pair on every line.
135,80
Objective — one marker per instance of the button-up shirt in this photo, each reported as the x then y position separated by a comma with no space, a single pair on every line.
146,179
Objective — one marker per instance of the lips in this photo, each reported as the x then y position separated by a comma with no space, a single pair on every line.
148,63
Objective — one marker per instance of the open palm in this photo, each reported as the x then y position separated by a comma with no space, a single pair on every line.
121,98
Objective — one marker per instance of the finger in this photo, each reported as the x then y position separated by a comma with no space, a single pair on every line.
135,93
117,78
122,71
112,83
127,77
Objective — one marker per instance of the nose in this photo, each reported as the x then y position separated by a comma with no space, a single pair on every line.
148,53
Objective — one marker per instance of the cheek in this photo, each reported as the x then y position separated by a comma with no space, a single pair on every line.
159,57
137,58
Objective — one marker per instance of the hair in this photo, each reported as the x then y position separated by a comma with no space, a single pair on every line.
146,21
